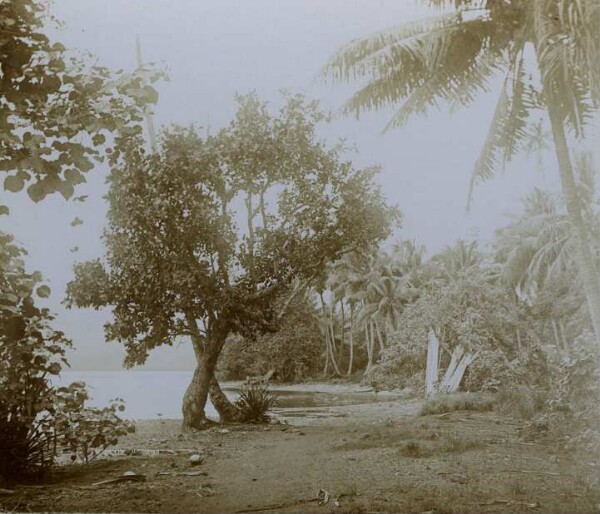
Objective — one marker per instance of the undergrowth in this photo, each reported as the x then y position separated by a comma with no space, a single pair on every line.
254,402
458,402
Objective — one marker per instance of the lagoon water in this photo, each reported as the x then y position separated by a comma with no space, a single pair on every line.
153,394
147,394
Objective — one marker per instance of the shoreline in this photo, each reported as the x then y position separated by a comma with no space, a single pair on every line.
378,457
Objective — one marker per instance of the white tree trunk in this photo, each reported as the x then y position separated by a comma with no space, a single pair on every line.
454,360
452,380
431,371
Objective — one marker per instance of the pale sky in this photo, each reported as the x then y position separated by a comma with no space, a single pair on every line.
213,49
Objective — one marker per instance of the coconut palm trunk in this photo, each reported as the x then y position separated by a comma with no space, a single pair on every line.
351,341
585,260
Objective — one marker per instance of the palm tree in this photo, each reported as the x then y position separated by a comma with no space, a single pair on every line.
451,58
539,243
455,259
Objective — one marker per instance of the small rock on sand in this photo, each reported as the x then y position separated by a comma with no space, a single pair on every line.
195,459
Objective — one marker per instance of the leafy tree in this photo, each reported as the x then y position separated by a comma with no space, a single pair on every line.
58,114
452,57
178,264
293,351
470,310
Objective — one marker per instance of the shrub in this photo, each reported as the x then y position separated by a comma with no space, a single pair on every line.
520,401
458,402
456,444
293,351
254,401
85,432
37,419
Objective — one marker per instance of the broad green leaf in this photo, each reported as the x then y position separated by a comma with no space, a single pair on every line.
43,291
13,184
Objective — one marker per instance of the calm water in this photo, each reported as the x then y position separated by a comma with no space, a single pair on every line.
148,394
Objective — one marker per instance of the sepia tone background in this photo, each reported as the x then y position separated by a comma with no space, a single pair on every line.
213,50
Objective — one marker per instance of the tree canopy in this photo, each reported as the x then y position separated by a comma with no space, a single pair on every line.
59,114
215,229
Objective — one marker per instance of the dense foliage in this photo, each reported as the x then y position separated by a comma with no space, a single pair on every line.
293,351
548,55
58,114
178,263
517,308
38,418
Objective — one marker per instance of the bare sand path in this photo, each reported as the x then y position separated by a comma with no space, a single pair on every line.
378,457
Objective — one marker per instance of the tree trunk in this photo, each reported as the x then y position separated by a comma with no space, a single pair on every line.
351,341
379,337
331,348
203,383
194,399
250,222
227,411
369,349
585,260
459,372
326,368
329,339
450,370
343,336
431,369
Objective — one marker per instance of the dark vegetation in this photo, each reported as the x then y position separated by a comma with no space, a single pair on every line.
254,402
58,115
40,421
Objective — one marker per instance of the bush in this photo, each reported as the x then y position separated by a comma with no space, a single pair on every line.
458,402
85,432
520,401
293,351
254,401
37,419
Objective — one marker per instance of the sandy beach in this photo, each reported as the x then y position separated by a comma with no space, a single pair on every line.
376,457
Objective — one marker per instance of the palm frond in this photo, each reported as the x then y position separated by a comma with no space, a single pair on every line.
450,60
508,127
372,55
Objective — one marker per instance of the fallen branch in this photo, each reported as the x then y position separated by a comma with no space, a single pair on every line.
183,473
276,506
124,478
534,505
533,472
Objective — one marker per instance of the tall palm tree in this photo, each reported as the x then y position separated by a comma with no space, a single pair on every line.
539,243
452,57
454,259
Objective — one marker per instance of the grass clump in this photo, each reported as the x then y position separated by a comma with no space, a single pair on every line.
415,450
452,443
456,444
254,402
521,402
458,402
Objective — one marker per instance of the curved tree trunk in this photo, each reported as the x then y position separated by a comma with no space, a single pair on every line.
369,343
203,383
227,411
194,399
585,260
